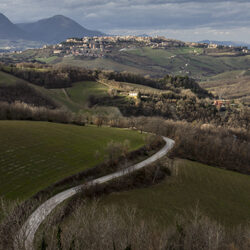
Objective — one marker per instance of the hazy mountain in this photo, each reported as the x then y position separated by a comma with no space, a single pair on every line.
56,29
8,30
226,43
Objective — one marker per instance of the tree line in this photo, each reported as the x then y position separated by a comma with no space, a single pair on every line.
64,76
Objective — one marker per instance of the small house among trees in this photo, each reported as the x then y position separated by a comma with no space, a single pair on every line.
134,94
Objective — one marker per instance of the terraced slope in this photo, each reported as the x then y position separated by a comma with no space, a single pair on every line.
34,155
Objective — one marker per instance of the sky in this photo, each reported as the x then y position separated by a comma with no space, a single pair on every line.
187,20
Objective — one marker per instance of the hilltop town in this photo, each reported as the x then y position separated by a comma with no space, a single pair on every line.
97,47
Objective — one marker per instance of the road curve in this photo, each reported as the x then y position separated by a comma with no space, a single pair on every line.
30,227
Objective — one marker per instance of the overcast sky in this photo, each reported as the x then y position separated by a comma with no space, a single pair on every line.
182,19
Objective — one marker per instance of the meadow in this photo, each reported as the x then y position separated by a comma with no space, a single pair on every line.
34,155
222,195
8,79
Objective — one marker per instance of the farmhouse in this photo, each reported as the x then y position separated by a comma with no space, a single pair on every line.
133,94
221,103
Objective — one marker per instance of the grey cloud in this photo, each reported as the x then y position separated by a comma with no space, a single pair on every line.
141,15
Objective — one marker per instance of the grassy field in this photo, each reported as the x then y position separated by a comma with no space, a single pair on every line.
47,59
8,79
221,194
34,155
76,97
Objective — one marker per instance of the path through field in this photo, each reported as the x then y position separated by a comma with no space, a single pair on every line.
38,216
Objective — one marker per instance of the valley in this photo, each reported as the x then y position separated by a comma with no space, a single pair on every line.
87,108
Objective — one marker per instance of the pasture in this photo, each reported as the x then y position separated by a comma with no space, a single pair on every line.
222,195
34,155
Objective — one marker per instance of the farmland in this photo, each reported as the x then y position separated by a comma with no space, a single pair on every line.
35,155
188,61
220,194
194,62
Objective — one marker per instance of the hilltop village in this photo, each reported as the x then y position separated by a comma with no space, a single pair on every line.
97,47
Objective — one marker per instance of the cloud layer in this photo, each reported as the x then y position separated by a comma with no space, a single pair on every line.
184,19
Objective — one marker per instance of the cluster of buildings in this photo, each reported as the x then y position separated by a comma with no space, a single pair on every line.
218,47
101,46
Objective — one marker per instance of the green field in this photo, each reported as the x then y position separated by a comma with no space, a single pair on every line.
34,155
220,194
47,59
76,98
8,79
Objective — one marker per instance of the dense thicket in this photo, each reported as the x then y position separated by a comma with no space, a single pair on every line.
176,107
186,83
221,147
96,227
22,92
58,77
23,111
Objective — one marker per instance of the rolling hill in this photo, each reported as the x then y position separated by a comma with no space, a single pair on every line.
149,61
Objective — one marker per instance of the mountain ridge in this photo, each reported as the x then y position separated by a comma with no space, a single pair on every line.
51,30
9,30
56,29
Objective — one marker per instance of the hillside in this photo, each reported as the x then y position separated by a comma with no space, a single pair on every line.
74,99
56,29
221,194
233,85
147,61
35,155
13,89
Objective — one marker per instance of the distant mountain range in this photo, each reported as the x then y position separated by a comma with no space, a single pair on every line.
226,43
50,30
8,30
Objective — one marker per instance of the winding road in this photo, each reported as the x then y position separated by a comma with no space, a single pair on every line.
30,227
